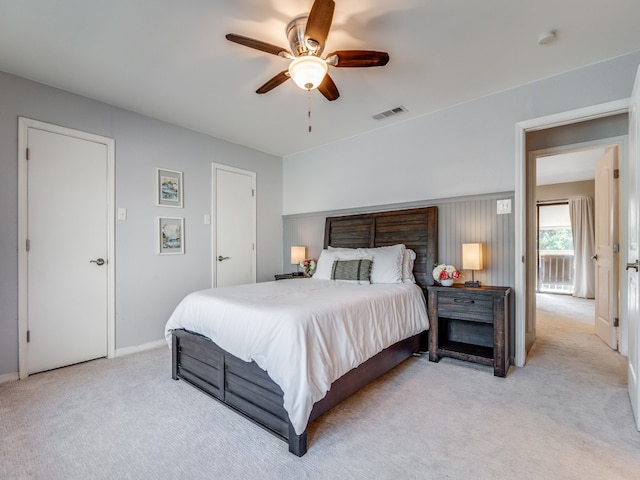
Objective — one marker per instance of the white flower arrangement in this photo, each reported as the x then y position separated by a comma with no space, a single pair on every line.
307,265
444,272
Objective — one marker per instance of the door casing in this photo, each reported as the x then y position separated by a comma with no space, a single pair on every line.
23,125
631,277
214,224
522,188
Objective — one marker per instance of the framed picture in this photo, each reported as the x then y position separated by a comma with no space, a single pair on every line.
170,236
169,188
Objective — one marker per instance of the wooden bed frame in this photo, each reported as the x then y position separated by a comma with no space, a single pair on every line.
246,388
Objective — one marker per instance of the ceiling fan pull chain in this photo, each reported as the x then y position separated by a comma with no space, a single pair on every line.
309,109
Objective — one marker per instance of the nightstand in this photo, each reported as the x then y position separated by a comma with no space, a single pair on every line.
284,276
470,323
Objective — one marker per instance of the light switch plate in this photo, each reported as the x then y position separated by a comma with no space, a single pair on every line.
504,206
207,219
122,213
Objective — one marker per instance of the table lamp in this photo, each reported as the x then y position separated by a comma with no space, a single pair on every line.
472,260
298,254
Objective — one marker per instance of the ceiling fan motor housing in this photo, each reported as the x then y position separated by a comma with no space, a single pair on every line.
295,34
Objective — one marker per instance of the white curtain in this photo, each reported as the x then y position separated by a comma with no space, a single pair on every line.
583,232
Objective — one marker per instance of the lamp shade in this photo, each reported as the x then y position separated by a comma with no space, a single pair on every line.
472,256
298,254
308,71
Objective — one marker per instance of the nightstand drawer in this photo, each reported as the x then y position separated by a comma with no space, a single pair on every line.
466,306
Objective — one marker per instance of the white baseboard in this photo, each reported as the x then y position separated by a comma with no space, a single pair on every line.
9,377
140,348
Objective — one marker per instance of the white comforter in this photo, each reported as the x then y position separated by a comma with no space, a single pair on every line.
305,333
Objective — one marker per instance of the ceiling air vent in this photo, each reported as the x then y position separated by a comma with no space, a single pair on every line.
390,113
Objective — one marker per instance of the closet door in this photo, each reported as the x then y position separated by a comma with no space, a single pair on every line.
234,210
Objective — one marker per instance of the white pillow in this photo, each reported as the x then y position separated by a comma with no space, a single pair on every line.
407,266
323,266
387,263
327,257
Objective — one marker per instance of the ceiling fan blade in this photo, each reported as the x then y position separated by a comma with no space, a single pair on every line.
319,23
272,83
258,45
358,58
328,88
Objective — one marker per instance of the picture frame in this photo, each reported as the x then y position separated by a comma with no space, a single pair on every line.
169,191
170,236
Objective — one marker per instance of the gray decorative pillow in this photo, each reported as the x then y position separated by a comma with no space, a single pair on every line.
356,270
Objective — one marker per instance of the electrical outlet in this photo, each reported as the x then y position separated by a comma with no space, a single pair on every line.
504,206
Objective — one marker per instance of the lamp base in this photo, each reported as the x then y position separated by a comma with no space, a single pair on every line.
473,282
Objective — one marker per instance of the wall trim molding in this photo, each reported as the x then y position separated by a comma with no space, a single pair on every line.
121,352
9,377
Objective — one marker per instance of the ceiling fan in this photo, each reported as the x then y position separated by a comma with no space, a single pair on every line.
307,35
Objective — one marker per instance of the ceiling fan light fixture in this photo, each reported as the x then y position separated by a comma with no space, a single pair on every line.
308,71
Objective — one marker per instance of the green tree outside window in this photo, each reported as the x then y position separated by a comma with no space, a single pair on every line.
555,239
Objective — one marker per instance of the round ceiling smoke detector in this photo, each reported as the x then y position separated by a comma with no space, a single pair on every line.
547,37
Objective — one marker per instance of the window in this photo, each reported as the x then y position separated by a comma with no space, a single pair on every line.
555,248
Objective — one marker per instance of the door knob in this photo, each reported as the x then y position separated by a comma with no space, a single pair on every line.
635,265
98,261
221,258
594,257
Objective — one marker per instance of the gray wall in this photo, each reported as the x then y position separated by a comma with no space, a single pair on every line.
464,150
144,299
468,149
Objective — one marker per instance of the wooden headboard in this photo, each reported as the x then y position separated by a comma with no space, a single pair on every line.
417,228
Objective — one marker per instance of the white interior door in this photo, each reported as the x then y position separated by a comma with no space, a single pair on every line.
234,208
633,254
606,278
67,231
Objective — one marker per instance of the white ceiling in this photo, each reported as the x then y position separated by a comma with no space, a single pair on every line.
169,59
576,166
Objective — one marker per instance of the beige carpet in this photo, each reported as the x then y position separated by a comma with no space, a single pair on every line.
566,415
564,309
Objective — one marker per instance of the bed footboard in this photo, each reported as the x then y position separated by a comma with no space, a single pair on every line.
240,385
247,389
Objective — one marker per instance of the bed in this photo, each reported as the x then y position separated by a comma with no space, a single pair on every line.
248,389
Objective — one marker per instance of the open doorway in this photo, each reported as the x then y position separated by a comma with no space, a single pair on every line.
625,136
566,216
562,176
605,124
